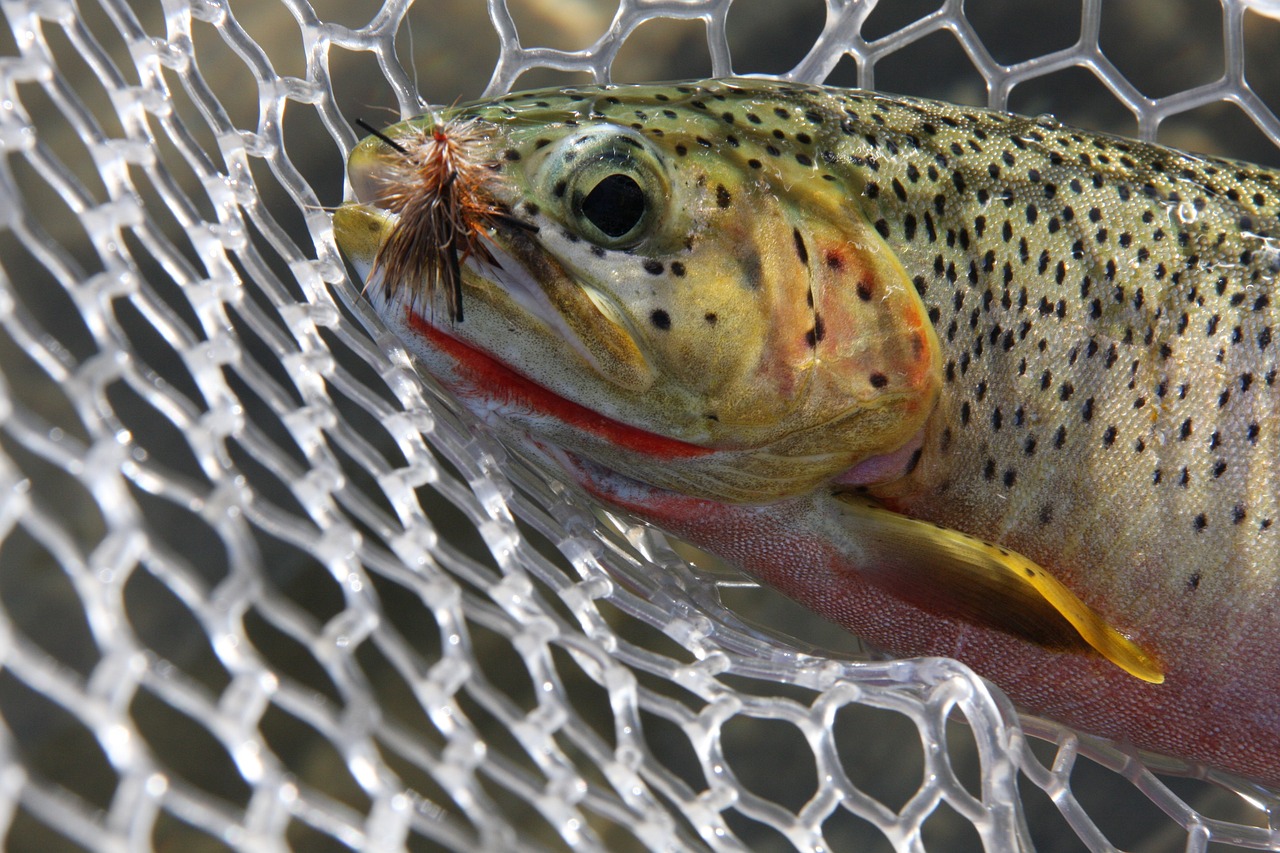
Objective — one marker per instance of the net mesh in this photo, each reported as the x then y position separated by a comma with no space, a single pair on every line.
264,588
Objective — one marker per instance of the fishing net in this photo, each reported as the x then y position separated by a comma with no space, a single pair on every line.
263,587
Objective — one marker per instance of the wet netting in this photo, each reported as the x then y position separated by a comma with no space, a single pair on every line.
264,588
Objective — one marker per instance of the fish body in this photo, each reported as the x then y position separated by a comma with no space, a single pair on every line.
967,383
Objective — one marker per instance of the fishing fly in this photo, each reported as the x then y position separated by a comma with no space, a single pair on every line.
435,181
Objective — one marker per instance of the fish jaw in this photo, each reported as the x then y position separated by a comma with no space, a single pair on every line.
785,346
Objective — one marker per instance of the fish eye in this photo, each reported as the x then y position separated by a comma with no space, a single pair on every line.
609,185
615,205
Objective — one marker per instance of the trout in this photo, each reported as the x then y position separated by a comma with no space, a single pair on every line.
966,383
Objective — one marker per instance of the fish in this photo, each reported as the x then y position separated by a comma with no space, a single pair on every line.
966,383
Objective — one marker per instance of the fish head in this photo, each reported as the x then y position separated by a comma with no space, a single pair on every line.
659,279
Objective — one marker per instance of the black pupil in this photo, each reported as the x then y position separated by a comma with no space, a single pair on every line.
615,205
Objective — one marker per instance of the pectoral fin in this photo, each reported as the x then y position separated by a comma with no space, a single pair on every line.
945,570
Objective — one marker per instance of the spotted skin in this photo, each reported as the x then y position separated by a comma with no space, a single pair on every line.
1087,341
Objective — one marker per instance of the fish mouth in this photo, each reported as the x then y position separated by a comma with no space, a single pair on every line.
506,291
492,379
436,218
518,284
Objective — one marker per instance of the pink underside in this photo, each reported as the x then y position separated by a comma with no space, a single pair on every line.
787,546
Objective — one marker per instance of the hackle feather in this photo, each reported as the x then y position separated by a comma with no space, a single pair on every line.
436,184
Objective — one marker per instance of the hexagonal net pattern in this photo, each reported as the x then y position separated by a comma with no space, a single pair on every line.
262,586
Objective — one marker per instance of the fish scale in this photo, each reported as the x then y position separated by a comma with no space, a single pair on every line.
860,331
1108,358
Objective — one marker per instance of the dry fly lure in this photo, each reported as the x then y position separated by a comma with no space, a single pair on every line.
435,184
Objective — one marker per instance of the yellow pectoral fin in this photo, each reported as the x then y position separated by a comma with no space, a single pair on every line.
945,570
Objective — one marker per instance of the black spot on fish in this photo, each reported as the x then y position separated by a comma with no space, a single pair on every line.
653,267
711,318
677,269
660,319
878,380
723,199
864,290
801,250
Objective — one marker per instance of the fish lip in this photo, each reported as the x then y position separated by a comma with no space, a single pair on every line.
503,382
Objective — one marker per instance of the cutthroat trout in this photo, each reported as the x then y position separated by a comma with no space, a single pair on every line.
966,383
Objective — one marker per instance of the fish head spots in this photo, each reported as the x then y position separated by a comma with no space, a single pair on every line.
696,271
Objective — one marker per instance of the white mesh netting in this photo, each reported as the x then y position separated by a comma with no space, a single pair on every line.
261,588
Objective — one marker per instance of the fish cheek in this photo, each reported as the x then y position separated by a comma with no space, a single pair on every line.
708,334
